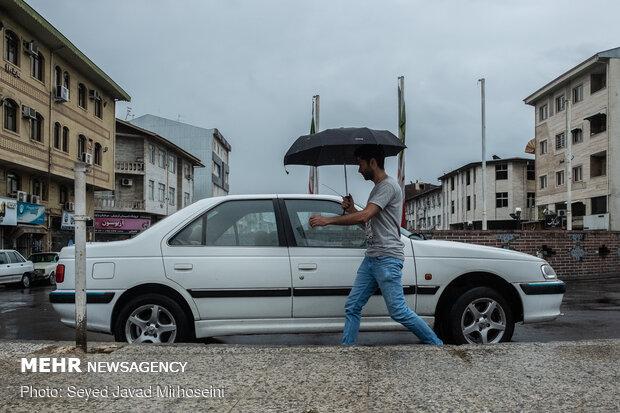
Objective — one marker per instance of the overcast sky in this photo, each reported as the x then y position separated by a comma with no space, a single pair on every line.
250,68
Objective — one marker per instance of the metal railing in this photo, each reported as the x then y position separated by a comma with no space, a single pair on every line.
130,167
118,204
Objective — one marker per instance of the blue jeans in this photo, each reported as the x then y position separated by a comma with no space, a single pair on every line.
385,273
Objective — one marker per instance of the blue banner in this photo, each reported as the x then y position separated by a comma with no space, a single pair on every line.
28,213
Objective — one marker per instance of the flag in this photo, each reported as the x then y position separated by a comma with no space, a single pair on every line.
314,173
402,128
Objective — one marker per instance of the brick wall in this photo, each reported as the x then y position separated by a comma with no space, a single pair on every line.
573,255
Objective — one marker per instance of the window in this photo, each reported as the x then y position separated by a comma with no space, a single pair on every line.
37,187
560,103
81,146
58,76
559,178
171,196
57,135
474,175
171,163
543,181
474,201
82,101
37,64
578,173
193,234
63,194
14,257
468,202
300,211
11,47
438,220
161,159
185,199
501,171
452,183
598,164
598,81
560,141
452,207
98,154
13,183
577,94
161,192
98,108
65,139
152,154
468,178
599,205
598,123
530,171
151,190
501,199
10,115
36,128
543,147
216,169
531,199
577,136
543,112
66,80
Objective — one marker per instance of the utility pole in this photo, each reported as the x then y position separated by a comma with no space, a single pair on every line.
317,101
484,157
80,255
569,165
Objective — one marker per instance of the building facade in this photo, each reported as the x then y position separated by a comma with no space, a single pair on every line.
593,89
423,206
208,145
56,105
154,178
510,187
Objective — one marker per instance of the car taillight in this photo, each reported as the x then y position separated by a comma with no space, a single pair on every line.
60,273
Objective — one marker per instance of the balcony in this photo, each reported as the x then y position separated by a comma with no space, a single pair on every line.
124,167
112,204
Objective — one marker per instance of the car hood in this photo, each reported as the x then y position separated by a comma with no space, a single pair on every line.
451,249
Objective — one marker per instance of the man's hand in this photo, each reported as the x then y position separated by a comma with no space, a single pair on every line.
348,205
318,221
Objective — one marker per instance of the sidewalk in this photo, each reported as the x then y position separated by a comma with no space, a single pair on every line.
555,376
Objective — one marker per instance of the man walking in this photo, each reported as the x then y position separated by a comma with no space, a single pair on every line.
383,263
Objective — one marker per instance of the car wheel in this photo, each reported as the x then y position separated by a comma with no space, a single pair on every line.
480,315
151,318
26,281
52,279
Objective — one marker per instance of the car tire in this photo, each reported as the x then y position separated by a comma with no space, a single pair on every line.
480,315
145,327
26,281
52,279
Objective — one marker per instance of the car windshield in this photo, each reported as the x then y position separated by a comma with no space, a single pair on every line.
412,235
42,258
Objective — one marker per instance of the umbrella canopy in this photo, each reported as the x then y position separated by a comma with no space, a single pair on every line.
336,146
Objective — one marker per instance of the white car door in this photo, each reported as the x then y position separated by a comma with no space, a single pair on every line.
17,264
5,269
324,262
233,261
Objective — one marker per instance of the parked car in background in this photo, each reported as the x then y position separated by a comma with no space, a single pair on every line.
44,266
251,264
15,269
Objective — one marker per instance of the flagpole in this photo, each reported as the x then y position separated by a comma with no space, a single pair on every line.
402,129
484,155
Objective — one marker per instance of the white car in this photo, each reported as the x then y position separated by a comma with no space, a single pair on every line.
15,269
251,264
44,266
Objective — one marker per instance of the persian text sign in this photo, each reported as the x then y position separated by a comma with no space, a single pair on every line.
121,223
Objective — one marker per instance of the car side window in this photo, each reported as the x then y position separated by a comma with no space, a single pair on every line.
13,257
193,234
331,236
3,258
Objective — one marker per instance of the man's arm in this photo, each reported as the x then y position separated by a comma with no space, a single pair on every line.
359,217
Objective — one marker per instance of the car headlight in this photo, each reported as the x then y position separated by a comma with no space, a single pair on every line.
547,271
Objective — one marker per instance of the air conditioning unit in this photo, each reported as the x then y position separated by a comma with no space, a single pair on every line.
28,112
69,206
561,212
94,95
126,182
61,94
22,196
31,48
35,199
87,158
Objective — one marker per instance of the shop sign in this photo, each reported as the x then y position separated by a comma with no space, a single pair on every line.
116,223
67,222
32,214
8,211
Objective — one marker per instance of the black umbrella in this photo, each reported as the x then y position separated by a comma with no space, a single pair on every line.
337,147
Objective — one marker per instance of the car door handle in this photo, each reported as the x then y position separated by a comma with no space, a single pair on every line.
307,267
183,267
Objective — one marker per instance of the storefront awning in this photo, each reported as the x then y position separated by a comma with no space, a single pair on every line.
21,230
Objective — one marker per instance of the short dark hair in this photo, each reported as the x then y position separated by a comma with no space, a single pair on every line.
368,152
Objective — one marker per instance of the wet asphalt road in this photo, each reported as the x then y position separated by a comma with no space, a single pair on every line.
591,311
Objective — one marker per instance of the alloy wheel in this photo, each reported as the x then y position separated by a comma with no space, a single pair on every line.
150,323
483,321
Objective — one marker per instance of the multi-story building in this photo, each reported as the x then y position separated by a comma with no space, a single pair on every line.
510,187
154,178
56,105
208,145
422,206
593,88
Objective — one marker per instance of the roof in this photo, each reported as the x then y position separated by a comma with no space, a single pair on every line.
575,71
489,162
47,34
411,191
426,192
160,139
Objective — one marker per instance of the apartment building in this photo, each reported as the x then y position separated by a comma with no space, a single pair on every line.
593,89
208,145
510,187
154,178
423,206
56,105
